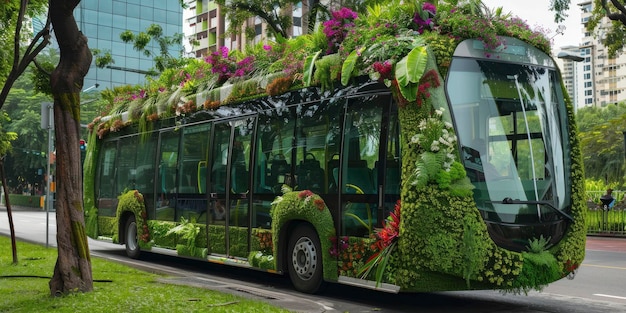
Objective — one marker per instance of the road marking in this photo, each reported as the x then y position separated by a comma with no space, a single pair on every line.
609,296
605,266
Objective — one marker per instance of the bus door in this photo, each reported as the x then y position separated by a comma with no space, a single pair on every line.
363,158
229,186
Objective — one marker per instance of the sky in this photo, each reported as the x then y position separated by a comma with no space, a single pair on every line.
537,13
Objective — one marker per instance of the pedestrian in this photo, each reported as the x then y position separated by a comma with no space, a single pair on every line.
607,199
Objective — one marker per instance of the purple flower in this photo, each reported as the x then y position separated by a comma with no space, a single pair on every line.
429,7
267,47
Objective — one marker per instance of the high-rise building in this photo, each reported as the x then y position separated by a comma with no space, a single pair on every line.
102,21
571,70
208,27
603,78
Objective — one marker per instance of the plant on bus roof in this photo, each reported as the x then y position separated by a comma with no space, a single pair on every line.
338,27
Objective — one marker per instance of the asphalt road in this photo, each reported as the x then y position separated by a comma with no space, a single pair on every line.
599,286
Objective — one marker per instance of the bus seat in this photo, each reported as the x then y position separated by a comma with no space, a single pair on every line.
279,168
310,175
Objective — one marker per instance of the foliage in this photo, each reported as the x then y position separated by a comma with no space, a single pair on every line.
338,27
328,71
539,269
601,135
9,12
612,35
133,202
188,231
383,247
308,207
239,11
118,288
5,137
142,41
538,245
226,66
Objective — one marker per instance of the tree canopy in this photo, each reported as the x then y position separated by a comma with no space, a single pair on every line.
614,38
602,140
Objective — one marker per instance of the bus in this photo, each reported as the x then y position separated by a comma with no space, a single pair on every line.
475,183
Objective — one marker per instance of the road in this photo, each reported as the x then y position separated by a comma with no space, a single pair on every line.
599,286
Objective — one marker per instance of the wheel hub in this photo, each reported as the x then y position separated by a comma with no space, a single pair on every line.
304,258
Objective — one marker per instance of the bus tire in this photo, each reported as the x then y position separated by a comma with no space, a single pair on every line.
132,247
304,256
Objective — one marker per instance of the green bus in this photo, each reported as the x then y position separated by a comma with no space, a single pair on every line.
474,185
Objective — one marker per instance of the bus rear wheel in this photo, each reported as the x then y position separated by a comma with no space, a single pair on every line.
132,247
305,260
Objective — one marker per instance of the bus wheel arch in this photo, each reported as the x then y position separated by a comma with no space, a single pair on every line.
303,257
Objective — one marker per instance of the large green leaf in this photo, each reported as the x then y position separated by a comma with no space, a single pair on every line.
348,66
416,63
411,68
309,65
409,92
401,73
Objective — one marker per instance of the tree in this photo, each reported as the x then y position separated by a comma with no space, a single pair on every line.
163,59
5,148
271,12
602,141
12,13
11,67
615,37
72,271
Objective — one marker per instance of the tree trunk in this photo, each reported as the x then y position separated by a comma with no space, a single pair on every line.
8,203
72,271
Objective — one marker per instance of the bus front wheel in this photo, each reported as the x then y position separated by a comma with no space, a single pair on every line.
305,260
132,247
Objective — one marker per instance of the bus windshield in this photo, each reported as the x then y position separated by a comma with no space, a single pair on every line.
514,141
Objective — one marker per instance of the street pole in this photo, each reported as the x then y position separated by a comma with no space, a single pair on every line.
47,121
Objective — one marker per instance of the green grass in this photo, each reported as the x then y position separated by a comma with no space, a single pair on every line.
131,290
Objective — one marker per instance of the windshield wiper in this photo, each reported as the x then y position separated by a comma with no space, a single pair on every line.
508,200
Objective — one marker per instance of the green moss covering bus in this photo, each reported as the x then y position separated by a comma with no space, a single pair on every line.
446,162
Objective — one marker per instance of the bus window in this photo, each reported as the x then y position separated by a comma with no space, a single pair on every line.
276,134
313,151
191,202
107,197
166,185
126,164
144,171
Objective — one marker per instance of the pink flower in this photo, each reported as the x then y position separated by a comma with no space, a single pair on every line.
267,47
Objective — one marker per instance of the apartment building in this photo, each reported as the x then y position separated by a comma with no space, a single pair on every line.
602,79
206,24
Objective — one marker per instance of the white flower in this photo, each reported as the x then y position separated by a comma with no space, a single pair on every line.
434,147
277,200
416,138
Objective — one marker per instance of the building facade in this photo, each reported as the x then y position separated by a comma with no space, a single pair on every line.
206,25
603,79
102,21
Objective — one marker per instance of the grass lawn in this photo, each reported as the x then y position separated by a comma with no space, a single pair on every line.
131,290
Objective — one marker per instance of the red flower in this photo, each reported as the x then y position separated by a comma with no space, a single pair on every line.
305,194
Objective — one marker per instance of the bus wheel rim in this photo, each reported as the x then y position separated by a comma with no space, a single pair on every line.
304,258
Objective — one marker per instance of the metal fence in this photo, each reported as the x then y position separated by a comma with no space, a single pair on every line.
604,221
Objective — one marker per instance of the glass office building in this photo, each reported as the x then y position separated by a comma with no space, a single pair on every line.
102,21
